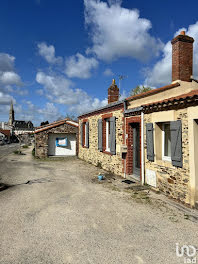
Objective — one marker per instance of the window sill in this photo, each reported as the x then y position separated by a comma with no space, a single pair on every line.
85,147
166,159
107,152
164,163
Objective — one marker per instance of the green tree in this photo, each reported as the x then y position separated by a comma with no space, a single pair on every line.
140,89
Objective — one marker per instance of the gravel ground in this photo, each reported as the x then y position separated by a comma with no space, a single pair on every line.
55,211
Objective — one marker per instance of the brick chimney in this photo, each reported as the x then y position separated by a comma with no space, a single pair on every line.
113,93
182,57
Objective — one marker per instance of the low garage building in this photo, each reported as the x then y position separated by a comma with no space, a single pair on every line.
57,139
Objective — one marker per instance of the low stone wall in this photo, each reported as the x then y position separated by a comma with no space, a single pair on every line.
41,138
112,163
171,180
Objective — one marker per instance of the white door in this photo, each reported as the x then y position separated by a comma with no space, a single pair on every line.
57,150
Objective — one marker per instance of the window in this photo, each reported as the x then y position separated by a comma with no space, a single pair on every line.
85,134
85,124
107,135
166,142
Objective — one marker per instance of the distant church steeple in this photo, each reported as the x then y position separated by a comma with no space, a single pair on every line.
11,114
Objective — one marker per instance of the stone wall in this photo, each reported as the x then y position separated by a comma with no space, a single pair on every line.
173,181
107,161
41,138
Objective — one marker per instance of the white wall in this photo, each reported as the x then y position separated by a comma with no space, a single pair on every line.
70,150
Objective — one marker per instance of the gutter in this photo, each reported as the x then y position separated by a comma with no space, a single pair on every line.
125,109
129,111
142,148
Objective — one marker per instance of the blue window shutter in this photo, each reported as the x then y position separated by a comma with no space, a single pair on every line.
100,134
150,141
176,143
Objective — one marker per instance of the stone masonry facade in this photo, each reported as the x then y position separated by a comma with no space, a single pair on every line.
107,161
173,181
41,138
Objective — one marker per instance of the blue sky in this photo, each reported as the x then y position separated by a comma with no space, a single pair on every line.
59,57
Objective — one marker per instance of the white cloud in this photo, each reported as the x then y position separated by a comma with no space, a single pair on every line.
80,66
5,99
113,2
40,92
10,82
108,72
6,62
9,78
48,53
35,113
60,90
50,112
119,32
160,74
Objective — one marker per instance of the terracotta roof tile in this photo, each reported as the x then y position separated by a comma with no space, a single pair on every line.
176,98
55,124
153,91
6,132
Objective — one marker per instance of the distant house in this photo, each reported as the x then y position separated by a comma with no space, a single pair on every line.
150,137
57,139
5,134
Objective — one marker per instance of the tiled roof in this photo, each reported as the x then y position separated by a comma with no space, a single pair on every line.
6,132
55,124
111,105
134,97
185,96
153,91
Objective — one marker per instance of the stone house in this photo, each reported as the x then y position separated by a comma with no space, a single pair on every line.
57,139
150,137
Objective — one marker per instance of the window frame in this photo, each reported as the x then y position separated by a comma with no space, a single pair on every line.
165,158
107,135
85,131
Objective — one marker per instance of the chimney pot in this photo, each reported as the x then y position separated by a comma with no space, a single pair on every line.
182,57
113,92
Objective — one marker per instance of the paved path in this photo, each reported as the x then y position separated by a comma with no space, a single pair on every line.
54,213
7,149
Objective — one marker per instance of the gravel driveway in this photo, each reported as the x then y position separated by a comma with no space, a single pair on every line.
56,212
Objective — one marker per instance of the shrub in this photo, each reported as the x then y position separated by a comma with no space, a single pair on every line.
33,152
17,152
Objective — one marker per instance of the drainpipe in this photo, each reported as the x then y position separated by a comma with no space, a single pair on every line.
142,147
125,107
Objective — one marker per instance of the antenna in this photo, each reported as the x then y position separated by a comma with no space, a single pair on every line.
121,78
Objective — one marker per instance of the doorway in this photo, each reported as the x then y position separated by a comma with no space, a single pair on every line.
133,157
136,151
